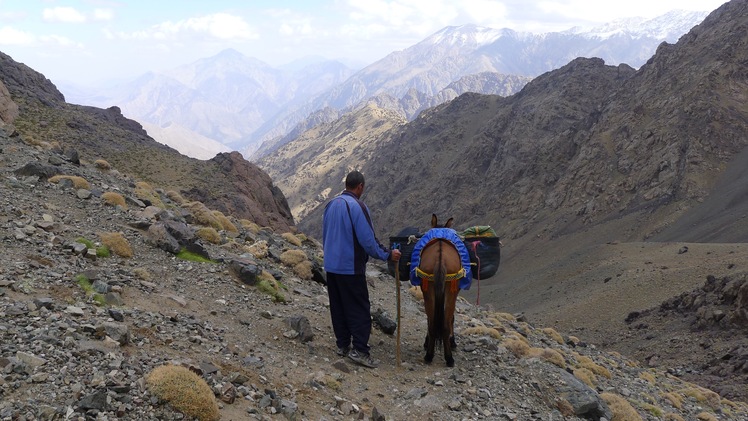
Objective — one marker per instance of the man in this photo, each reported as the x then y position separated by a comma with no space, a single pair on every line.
348,240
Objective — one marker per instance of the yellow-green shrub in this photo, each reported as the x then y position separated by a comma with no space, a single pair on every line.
175,197
299,262
142,273
553,334
517,347
145,192
292,239
672,417
648,377
586,376
482,330
203,216
185,391
249,226
209,234
117,243
705,416
102,165
113,199
620,407
675,399
269,285
225,221
78,182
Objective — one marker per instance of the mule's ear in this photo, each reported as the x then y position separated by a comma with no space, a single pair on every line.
449,223
433,220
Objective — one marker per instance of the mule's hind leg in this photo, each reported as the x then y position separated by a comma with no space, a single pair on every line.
429,345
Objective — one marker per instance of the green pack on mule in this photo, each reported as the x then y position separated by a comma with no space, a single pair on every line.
479,231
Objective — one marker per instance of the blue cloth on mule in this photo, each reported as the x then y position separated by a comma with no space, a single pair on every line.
446,234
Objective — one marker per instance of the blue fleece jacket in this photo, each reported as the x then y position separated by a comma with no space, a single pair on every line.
348,236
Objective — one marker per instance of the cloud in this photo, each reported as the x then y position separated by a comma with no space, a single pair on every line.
103,14
60,41
12,36
63,15
219,26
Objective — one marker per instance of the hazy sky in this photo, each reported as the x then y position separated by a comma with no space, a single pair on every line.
86,41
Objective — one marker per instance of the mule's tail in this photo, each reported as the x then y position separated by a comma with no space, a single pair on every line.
440,272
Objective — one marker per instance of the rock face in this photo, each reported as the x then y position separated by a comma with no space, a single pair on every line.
579,146
8,108
693,330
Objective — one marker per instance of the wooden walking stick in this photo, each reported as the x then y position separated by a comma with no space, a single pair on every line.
397,287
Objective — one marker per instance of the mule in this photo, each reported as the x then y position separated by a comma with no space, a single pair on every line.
439,268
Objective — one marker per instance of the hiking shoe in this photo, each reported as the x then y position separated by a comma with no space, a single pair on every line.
342,352
363,359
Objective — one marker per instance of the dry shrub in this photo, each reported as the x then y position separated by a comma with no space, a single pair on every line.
291,239
203,216
565,407
705,416
620,407
675,399
587,362
416,292
586,376
574,340
303,270
482,331
292,258
175,197
549,354
648,377
142,273
672,417
553,334
299,262
185,391
113,199
517,347
146,193
225,222
703,396
259,249
102,165
505,316
249,226
116,243
209,234
78,182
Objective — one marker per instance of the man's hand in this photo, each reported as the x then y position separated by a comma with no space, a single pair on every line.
395,255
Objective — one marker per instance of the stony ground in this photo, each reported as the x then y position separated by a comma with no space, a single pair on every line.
65,353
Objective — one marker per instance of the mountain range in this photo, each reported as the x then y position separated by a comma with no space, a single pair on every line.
249,106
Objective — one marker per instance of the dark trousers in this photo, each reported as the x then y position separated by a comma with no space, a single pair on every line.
350,310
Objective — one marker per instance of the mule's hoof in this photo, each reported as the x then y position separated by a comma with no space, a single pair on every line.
428,359
451,362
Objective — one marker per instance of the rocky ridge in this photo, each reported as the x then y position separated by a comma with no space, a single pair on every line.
71,353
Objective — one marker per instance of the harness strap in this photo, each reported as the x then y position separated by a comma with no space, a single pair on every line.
450,277
474,244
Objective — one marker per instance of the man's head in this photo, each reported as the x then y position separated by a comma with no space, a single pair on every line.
354,182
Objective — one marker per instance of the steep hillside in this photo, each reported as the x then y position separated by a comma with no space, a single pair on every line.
226,183
308,168
93,300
